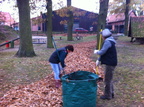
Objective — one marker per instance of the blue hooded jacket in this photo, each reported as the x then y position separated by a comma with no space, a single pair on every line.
108,53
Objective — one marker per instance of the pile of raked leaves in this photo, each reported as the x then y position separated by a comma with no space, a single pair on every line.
43,93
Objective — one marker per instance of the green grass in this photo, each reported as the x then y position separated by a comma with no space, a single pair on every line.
16,71
7,33
128,76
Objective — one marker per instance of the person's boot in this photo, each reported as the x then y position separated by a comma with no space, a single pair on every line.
57,83
103,97
112,95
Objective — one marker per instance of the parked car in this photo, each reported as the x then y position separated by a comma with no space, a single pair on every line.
80,30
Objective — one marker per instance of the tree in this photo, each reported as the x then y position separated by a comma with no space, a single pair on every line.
26,46
2,18
101,19
70,21
126,17
69,13
49,24
124,6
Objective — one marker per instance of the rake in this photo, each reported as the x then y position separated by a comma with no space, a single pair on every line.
100,40
54,44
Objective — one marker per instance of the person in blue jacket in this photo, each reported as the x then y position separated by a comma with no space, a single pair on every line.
57,62
108,57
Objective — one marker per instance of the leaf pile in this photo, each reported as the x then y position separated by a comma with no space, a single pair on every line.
43,93
39,94
79,60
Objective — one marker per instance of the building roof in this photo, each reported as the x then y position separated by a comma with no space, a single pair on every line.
116,17
119,17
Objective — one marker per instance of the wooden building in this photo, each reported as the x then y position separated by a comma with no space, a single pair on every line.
86,21
116,22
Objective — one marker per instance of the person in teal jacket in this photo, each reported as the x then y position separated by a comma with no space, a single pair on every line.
108,57
57,61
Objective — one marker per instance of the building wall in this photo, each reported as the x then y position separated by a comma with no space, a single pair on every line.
36,24
81,21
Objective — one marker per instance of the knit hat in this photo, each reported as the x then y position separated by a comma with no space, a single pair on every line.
106,32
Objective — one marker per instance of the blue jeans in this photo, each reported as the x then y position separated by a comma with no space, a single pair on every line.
56,69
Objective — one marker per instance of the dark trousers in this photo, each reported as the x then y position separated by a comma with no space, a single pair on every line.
109,89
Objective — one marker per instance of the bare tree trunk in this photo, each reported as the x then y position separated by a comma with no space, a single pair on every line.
70,22
49,24
102,19
126,17
26,46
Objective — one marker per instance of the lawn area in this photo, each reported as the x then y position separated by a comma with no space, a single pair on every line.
128,76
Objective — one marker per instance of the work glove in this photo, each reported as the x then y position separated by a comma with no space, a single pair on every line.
97,62
95,51
63,71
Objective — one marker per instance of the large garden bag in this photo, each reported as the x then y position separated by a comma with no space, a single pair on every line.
79,89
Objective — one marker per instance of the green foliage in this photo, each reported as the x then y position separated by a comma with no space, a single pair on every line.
2,36
118,6
137,26
7,33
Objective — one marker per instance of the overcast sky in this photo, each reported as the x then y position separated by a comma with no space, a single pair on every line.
90,5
